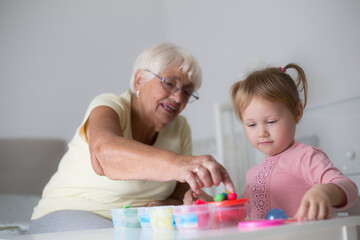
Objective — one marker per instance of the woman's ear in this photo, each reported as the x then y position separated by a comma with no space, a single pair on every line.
138,79
299,112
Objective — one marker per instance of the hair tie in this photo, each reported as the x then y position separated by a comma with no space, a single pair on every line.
282,69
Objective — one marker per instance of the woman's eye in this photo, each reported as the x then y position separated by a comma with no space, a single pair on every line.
251,125
187,92
170,84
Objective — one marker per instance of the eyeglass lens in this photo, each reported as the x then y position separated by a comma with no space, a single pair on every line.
170,85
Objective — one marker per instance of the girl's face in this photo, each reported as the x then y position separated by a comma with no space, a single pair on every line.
270,126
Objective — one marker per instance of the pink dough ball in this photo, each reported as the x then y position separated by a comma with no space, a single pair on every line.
232,196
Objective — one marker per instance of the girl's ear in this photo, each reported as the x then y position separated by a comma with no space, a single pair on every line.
299,112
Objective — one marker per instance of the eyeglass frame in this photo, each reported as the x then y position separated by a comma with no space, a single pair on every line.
194,94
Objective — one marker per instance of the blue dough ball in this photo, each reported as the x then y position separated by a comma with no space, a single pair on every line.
276,213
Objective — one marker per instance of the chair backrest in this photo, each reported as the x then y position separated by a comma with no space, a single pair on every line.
232,144
27,164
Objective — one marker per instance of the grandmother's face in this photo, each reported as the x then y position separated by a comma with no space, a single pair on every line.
161,106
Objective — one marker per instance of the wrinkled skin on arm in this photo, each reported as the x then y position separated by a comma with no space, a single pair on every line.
120,158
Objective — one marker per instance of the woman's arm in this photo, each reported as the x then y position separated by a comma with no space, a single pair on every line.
120,158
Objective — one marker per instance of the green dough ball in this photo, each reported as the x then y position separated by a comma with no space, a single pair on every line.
219,197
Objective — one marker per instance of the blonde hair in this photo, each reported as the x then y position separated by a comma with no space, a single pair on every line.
272,84
164,55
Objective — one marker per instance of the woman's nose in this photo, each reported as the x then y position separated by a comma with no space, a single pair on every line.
178,96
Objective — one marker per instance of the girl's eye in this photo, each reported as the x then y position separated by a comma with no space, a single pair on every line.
271,122
251,125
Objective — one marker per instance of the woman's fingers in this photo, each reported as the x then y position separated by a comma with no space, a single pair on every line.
204,177
191,179
210,173
213,167
228,183
219,174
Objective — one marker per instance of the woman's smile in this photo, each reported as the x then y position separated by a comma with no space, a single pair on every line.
168,107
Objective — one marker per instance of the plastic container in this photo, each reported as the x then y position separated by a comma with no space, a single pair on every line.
194,217
144,217
125,217
229,213
161,218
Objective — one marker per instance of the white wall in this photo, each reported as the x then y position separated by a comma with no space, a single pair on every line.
55,56
322,36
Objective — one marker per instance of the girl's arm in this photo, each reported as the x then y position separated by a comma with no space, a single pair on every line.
319,201
333,190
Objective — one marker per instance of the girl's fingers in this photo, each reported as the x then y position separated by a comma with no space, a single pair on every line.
330,212
301,212
313,212
322,212
188,197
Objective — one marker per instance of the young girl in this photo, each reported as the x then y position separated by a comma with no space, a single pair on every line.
299,179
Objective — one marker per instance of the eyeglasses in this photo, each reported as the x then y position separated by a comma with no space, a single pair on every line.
170,86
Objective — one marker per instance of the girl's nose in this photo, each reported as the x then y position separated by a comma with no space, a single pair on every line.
262,131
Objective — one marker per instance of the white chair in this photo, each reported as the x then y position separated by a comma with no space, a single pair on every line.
233,148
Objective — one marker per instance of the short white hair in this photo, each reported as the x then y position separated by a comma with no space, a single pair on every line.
159,57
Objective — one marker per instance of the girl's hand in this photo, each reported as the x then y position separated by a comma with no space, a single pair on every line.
190,197
318,202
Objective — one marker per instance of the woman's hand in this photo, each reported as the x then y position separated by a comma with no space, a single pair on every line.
203,171
120,158
318,202
190,197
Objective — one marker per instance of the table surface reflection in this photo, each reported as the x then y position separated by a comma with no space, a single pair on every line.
337,228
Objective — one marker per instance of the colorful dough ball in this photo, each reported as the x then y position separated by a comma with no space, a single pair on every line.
219,197
231,196
225,195
276,213
199,201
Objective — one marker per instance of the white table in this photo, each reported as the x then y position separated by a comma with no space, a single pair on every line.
337,228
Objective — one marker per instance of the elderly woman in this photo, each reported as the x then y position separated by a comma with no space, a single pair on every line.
133,149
